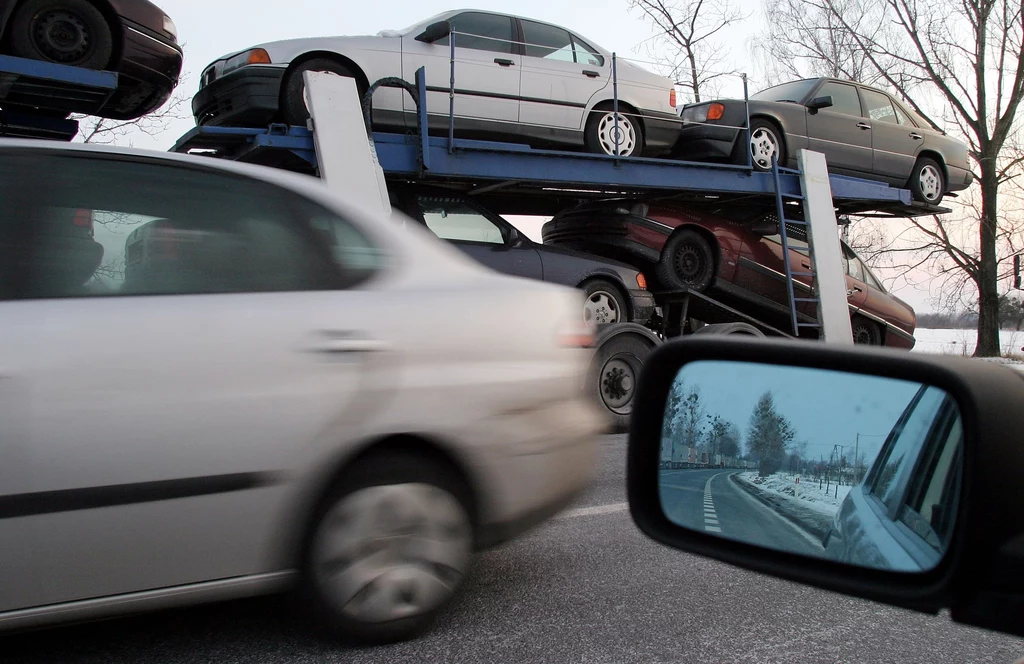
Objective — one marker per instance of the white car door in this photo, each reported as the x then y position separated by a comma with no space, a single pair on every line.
487,70
560,75
180,382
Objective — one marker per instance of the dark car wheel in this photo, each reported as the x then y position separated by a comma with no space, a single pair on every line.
687,261
600,134
68,32
388,549
293,92
603,303
928,182
765,144
865,332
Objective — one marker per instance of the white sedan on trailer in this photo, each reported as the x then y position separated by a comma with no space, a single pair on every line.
515,78
218,380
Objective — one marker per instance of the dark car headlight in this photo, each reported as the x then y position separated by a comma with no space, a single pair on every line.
703,112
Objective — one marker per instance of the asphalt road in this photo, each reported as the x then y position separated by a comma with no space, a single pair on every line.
708,500
587,587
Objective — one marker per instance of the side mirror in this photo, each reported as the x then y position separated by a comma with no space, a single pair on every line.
819,103
435,32
864,471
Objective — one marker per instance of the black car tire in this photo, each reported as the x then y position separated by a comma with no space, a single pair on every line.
376,484
603,303
687,261
866,332
761,129
599,135
67,32
928,181
293,105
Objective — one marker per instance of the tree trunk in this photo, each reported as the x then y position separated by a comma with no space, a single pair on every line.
987,279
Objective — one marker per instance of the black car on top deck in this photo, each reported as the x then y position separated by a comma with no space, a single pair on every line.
863,132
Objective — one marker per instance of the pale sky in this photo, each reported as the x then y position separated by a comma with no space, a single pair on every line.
210,30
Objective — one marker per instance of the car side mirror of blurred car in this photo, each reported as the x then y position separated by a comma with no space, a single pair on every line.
435,32
878,473
819,103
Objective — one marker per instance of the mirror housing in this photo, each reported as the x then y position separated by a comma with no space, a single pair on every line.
434,32
819,103
978,579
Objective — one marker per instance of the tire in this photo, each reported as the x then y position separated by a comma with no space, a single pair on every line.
603,303
599,135
928,181
744,329
293,103
866,332
366,575
68,32
766,142
615,370
687,261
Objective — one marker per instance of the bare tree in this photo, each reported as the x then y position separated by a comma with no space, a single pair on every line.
92,129
959,61
688,28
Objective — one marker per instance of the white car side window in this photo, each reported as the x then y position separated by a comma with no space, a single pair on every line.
481,32
547,41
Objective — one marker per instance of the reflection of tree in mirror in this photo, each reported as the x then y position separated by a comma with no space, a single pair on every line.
770,433
685,421
724,438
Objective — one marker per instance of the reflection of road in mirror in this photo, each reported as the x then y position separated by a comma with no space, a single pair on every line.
855,468
713,501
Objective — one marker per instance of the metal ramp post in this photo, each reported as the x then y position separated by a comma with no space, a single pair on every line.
345,152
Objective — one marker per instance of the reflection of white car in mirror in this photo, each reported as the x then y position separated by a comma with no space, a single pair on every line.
901,516
515,78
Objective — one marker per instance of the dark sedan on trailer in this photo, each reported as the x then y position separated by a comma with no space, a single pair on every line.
734,253
863,132
134,38
613,292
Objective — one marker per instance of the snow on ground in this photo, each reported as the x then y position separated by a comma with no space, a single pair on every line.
961,342
807,490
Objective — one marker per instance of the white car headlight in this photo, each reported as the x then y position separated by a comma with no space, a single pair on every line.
255,56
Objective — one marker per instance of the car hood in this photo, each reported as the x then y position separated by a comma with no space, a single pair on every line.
583,256
285,50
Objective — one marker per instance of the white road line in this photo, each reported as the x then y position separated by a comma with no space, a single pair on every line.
597,509
710,517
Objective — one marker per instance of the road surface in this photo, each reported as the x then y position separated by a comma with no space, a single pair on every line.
708,500
586,588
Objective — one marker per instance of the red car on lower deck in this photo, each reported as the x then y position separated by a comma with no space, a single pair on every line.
732,251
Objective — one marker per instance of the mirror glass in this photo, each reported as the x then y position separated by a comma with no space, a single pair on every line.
854,468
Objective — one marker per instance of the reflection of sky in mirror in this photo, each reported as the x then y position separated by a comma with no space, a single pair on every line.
826,408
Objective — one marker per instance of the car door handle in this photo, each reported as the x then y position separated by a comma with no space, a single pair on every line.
336,343
504,62
916,136
864,125
591,73
853,291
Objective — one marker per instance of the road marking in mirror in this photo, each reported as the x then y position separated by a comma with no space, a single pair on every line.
597,509
710,517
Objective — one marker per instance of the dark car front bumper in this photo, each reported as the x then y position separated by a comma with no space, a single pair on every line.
147,73
661,131
699,141
246,97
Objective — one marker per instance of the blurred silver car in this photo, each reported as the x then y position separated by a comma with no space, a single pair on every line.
515,78
219,380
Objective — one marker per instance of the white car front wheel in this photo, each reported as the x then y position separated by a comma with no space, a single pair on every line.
389,549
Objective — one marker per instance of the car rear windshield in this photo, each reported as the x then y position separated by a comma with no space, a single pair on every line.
794,91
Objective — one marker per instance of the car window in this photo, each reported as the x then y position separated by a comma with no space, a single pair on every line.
86,234
547,41
931,504
794,91
878,107
587,54
844,98
456,220
482,32
889,477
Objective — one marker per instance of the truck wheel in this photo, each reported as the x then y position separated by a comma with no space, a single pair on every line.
615,370
387,549
731,328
